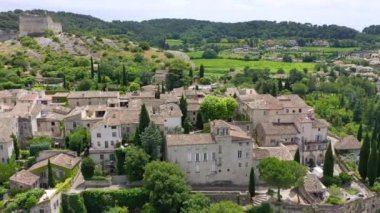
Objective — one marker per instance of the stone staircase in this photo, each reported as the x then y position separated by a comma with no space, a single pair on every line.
259,198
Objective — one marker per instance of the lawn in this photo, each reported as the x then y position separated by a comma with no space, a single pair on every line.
222,65
196,54
174,42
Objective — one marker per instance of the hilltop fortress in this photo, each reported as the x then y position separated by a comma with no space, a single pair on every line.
37,25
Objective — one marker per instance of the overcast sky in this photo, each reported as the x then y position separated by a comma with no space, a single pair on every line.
353,13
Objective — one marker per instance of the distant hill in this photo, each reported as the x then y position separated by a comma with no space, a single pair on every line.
191,31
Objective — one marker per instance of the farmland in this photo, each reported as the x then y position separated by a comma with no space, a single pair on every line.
222,65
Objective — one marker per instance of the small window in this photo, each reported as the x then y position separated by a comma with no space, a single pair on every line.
239,164
113,134
98,135
319,129
299,110
246,164
205,157
239,154
197,157
1,147
98,143
53,123
213,156
112,143
88,125
240,143
106,144
228,170
101,157
113,127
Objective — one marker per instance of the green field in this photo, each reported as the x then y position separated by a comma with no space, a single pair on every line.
196,54
223,65
174,42
329,49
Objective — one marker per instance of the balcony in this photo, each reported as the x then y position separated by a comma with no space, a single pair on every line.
315,145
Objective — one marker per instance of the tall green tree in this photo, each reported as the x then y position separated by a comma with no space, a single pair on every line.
16,147
51,181
125,78
151,141
191,73
297,157
252,183
144,120
166,186
363,157
92,68
187,126
183,107
279,82
135,161
199,123
201,71
360,132
372,164
328,164
87,167
99,74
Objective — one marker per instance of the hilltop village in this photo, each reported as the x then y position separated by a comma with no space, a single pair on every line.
178,139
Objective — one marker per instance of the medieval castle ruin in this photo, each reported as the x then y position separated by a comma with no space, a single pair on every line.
37,25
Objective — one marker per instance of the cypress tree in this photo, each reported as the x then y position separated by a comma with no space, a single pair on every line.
16,147
92,68
297,156
125,80
201,71
50,175
287,85
199,123
191,73
183,107
187,126
64,82
252,183
136,139
157,93
99,74
372,164
163,88
360,132
328,165
363,157
144,119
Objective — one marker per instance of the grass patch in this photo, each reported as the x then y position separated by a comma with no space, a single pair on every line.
219,65
329,49
352,191
334,200
195,55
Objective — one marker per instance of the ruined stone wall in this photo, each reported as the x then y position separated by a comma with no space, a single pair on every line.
37,25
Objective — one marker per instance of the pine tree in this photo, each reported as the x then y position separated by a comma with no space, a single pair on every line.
183,107
363,157
360,132
297,156
201,71
16,147
328,165
199,123
92,69
252,183
125,80
51,182
372,164
279,85
144,119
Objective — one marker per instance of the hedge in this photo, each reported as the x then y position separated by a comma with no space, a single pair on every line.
35,148
72,203
97,201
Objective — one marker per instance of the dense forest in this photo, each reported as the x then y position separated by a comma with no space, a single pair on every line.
192,31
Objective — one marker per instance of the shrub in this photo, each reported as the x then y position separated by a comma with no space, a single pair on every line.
334,200
72,203
35,148
97,201
329,181
345,178
88,167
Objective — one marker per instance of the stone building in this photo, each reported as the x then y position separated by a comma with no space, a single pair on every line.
223,156
84,98
37,25
24,180
7,127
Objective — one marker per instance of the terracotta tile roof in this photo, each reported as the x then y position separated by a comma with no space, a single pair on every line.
320,123
348,143
292,101
119,116
264,102
188,139
270,128
281,152
93,94
62,160
25,177
312,184
5,94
